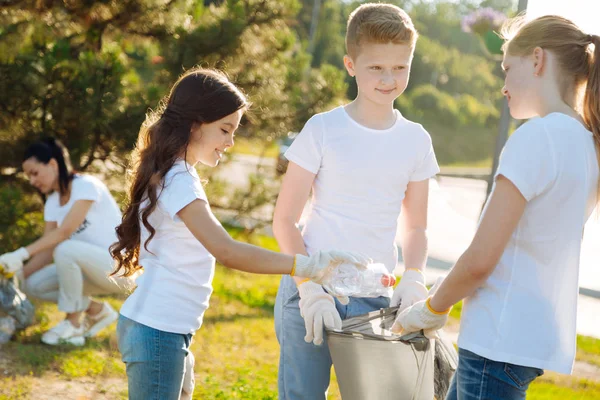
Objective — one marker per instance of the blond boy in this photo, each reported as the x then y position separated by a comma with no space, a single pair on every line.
364,163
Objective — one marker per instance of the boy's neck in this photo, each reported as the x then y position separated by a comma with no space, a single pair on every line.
370,114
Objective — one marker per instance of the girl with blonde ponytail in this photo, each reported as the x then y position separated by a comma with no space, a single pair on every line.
519,276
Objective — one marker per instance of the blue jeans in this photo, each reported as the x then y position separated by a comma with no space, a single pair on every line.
155,360
479,378
304,369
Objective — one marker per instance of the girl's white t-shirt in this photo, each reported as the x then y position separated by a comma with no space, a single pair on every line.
174,290
98,227
525,313
361,179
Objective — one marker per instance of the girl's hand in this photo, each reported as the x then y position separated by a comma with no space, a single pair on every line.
420,316
319,265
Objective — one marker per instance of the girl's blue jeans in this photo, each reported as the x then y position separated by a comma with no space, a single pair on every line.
479,378
155,360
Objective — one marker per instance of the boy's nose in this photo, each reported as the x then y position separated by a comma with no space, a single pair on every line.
387,78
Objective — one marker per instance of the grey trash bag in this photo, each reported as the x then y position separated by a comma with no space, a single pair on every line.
372,363
14,302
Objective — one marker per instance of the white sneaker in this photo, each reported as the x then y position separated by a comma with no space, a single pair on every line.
95,323
64,333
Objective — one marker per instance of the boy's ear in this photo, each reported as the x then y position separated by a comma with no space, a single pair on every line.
349,64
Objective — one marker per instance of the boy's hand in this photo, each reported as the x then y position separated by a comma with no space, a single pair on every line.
410,290
318,310
13,261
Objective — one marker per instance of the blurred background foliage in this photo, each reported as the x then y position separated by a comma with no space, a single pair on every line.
87,72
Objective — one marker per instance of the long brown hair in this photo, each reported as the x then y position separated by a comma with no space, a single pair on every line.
578,56
199,96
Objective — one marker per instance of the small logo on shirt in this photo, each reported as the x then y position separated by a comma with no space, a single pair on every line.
84,225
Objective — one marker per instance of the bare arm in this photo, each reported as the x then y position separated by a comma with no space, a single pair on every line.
505,208
233,254
42,258
414,225
292,198
72,221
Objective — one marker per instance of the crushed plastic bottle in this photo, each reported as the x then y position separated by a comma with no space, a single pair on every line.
7,328
347,280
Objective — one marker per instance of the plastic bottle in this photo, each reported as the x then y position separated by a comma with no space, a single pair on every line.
347,280
7,328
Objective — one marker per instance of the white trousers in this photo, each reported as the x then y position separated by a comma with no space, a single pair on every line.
80,269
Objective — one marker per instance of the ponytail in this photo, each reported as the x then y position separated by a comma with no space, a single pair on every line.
579,63
48,149
591,101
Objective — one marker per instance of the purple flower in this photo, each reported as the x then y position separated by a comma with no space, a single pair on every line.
483,20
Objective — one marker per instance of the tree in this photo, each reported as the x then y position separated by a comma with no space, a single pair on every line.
454,89
86,72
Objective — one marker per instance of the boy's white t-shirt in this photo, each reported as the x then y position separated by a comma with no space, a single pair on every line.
525,313
98,227
174,290
361,179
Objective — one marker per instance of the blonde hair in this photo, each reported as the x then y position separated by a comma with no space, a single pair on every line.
378,23
577,54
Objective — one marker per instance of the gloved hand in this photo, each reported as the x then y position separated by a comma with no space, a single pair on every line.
410,290
189,381
13,261
420,316
318,310
318,265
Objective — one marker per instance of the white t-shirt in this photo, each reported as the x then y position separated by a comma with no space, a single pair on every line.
525,313
98,227
361,180
173,292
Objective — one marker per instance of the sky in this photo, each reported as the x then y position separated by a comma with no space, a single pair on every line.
585,13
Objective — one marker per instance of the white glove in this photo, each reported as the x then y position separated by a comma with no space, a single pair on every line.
318,310
13,261
321,263
420,316
410,290
189,381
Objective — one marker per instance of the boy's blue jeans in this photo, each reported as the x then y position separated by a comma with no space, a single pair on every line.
155,360
479,378
304,369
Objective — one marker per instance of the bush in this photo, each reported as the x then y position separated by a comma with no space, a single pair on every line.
21,219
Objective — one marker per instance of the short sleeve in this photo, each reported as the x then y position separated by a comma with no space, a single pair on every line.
50,208
527,160
307,148
182,186
427,165
85,189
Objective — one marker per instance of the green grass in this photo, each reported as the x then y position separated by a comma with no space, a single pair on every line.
588,349
555,386
236,350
